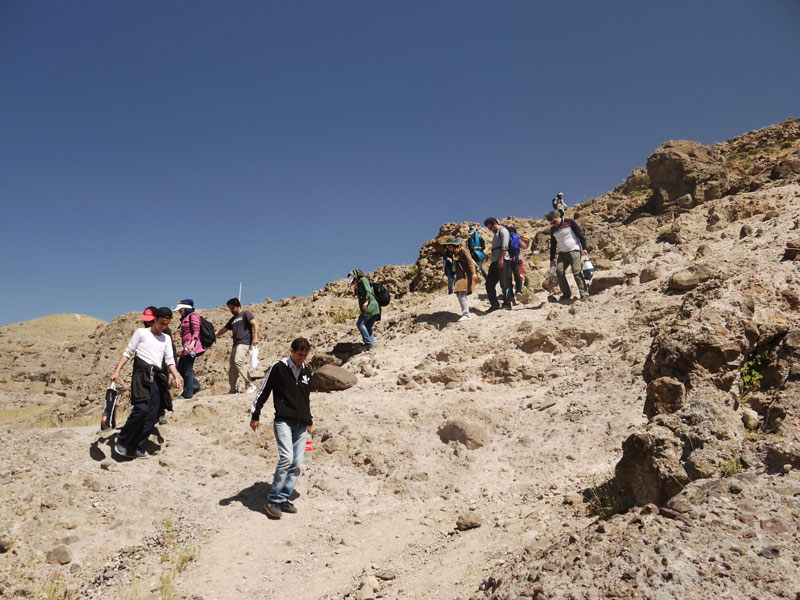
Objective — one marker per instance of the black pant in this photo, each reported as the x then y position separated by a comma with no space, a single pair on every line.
496,274
141,421
513,266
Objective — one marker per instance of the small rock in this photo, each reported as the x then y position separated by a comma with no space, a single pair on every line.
60,555
458,430
219,473
467,521
107,465
7,540
750,418
331,378
386,574
649,509
774,525
771,552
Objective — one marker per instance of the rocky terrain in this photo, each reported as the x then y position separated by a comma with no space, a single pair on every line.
642,444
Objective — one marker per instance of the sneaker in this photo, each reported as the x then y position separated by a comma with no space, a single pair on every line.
584,298
122,450
252,388
507,306
465,318
273,510
142,454
288,507
492,309
566,300
162,420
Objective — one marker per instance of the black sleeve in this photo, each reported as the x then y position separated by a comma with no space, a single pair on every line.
263,394
578,233
553,246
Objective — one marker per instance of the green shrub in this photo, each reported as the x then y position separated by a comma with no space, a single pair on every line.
750,372
346,316
732,467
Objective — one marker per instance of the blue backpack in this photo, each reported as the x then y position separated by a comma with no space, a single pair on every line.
513,243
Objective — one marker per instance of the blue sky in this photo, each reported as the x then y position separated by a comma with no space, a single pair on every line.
151,151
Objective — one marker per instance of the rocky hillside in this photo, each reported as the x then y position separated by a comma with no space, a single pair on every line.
643,444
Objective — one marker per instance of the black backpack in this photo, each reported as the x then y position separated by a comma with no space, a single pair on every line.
381,293
208,334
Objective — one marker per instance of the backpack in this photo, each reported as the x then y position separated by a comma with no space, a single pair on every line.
513,243
481,243
381,294
207,333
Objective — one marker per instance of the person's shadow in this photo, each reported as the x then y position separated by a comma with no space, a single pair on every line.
254,497
109,440
439,319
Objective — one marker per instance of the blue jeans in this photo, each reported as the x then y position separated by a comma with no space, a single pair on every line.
479,264
451,277
365,325
291,440
186,370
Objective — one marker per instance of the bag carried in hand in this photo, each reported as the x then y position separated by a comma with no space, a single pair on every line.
381,294
253,357
109,418
208,334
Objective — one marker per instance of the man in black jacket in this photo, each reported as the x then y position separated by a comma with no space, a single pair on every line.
289,382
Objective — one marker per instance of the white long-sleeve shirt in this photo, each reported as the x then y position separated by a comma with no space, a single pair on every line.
152,349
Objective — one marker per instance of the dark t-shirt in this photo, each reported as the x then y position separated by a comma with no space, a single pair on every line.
241,328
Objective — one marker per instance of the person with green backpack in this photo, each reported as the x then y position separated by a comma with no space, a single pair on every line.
367,304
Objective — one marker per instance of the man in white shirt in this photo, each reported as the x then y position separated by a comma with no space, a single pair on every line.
152,348
566,240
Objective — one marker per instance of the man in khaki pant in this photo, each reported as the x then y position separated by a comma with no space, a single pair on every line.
245,334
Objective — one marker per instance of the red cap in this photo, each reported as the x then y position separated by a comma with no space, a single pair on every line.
148,315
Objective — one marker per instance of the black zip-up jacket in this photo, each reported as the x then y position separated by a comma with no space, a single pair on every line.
289,395
575,229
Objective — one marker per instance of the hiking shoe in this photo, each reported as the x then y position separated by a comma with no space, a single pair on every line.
465,318
252,388
492,309
162,420
273,510
566,300
142,454
507,306
122,450
288,507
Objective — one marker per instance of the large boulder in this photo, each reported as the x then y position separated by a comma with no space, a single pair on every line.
678,448
682,175
331,378
690,278
665,395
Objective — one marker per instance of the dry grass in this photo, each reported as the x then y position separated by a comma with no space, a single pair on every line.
15,415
